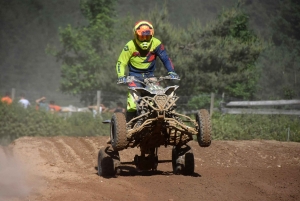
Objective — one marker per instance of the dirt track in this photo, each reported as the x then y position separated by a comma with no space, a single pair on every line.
63,168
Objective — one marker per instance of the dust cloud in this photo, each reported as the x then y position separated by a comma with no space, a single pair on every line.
13,178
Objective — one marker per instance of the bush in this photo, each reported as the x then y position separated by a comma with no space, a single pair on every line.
17,122
251,126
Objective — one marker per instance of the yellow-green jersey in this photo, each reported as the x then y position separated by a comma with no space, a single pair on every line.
142,61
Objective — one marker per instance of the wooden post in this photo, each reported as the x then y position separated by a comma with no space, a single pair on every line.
13,92
212,104
98,101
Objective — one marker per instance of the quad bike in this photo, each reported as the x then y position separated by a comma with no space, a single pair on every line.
156,124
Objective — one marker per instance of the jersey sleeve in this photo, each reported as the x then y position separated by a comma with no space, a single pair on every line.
163,56
123,60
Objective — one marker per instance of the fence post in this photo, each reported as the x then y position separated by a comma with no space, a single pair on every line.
288,134
212,104
13,92
98,101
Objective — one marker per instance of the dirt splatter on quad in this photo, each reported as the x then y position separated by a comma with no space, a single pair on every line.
157,124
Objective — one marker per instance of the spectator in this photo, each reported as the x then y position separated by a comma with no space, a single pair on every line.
6,99
24,102
102,108
119,108
53,107
41,104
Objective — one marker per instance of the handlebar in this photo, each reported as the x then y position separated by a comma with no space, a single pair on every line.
149,80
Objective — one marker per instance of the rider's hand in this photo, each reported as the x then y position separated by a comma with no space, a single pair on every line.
121,80
173,75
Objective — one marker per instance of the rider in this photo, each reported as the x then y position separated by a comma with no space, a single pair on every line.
140,56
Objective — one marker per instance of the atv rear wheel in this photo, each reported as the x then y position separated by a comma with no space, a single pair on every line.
118,131
108,162
204,128
183,160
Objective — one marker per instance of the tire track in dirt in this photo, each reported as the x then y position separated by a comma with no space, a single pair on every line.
81,150
50,153
76,156
62,157
93,145
88,144
86,152
90,147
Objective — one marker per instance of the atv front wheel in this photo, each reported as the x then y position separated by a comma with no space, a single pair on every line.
108,161
204,128
118,131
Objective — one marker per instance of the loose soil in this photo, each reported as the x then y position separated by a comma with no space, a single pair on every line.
64,168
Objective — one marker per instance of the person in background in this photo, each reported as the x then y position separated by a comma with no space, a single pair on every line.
23,101
102,108
53,107
119,108
41,104
6,99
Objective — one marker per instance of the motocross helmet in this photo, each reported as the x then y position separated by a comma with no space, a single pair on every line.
143,33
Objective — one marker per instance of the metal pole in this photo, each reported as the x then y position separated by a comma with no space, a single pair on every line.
288,137
98,101
13,92
212,104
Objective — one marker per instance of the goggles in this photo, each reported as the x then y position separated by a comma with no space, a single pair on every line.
145,38
144,33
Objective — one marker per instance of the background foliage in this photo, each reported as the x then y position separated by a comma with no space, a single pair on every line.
87,52
246,49
23,44
219,57
18,122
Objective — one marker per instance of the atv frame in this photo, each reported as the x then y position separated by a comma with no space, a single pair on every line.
156,124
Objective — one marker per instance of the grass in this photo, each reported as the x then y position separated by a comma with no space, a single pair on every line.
18,122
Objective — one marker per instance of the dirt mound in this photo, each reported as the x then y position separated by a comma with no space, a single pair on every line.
64,168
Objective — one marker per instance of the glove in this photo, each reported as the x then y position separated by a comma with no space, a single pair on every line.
121,80
173,75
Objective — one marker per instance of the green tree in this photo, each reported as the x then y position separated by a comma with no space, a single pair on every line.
87,51
221,56
286,26
280,74
280,63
